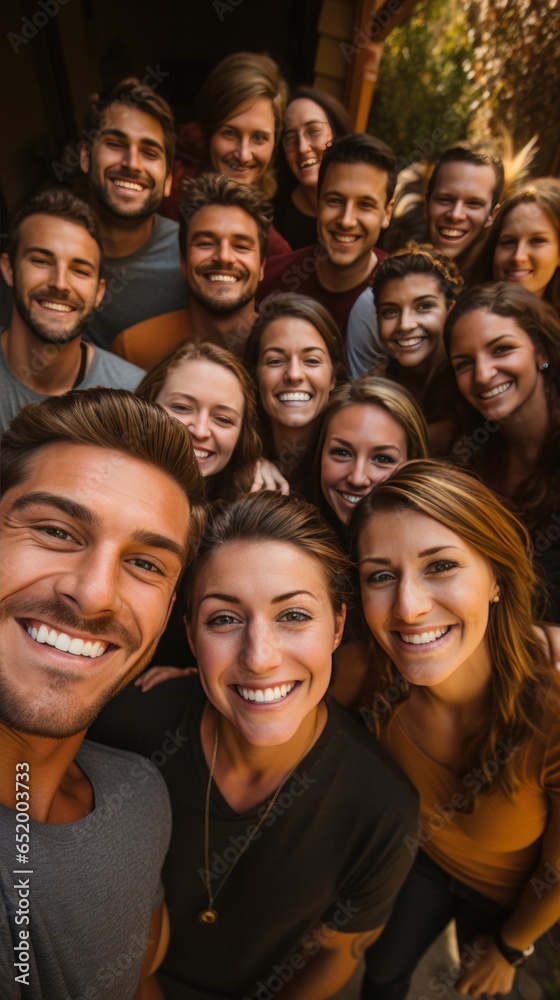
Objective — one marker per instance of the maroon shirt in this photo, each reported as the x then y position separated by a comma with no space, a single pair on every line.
297,272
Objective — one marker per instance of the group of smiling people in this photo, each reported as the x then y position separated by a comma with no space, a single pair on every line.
410,529
296,847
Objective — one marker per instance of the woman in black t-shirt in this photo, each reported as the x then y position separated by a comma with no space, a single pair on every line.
287,849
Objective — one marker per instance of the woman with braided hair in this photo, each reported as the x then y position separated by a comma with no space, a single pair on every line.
414,290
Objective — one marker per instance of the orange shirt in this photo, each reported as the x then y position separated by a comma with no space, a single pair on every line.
495,848
153,339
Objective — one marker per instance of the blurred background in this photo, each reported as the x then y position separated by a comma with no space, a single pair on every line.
418,73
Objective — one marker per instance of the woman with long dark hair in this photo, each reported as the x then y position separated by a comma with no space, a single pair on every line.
504,343
313,119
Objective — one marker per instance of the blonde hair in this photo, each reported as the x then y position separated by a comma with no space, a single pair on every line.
237,80
238,475
521,673
372,390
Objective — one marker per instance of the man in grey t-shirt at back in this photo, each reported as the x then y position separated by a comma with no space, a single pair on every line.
53,268
128,159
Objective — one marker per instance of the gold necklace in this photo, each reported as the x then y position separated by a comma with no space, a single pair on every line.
210,915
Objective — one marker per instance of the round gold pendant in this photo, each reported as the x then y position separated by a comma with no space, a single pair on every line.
208,916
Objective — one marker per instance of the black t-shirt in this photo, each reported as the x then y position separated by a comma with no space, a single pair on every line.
331,849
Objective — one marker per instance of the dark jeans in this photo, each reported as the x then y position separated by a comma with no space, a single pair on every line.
428,900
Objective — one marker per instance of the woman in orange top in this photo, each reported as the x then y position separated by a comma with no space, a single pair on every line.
465,698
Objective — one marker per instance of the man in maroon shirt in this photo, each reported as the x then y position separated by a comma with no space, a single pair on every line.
356,183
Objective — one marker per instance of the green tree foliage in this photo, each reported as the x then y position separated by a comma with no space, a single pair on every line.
470,69
427,91
516,62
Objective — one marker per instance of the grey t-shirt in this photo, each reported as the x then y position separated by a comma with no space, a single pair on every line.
105,370
364,347
146,284
89,888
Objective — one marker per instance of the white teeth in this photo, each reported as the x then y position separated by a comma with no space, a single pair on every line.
294,397
410,342
351,497
497,391
56,306
344,239
130,185
451,233
269,694
199,453
62,641
76,646
312,162
229,278
420,639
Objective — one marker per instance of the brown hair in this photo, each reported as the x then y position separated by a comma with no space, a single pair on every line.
358,147
135,95
238,475
521,672
286,304
373,390
290,304
237,80
539,495
544,192
272,517
470,152
419,259
112,419
217,189
61,204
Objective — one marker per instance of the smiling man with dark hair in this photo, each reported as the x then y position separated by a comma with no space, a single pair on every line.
53,269
102,498
128,162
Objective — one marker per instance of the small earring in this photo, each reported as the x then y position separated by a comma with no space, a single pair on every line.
543,366
495,599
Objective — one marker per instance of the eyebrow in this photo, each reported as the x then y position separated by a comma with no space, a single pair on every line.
312,121
80,513
418,298
230,599
216,236
489,344
421,555
50,253
360,197
376,447
304,350
145,140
